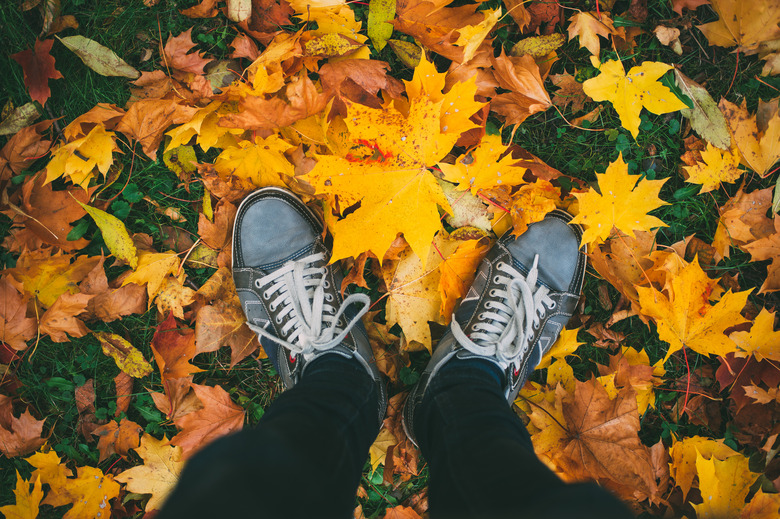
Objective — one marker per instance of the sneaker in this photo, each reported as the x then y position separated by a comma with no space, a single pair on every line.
525,291
288,291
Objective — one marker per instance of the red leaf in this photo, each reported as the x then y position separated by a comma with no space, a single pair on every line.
38,67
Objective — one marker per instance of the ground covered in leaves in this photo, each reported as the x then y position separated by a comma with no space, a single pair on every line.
420,130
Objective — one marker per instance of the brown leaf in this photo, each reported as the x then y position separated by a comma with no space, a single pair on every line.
178,56
735,373
15,327
38,68
18,436
679,5
205,9
602,438
124,392
768,249
60,320
146,121
85,404
744,216
244,47
435,26
118,439
119,302
173,297
389,359
224,324
173,348
219,416
23,148
178,399
526,94
218,234
102,113
358,80
569,92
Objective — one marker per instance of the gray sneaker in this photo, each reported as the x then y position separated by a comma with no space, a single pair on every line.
524,293
290,294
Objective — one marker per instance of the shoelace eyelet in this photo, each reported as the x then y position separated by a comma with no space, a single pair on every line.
493,292
500,265
326,284
496,279
257,283
329,298
278,320
553,305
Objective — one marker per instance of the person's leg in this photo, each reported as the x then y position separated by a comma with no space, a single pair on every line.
481,459
303,459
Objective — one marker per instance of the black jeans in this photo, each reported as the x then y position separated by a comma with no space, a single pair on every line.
305,457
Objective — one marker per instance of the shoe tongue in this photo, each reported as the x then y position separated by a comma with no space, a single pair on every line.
301,253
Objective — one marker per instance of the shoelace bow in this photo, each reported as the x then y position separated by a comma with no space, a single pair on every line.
301,292
506,331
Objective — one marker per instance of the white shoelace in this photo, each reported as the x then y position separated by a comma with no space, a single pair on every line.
506,331
313,320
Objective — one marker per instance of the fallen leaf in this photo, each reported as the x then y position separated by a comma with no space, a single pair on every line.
705,116
173,297
115,235
158,475
21,117
768,249
531,203
173,348
742,24
457,272
685,317
124,392
116,438
38,68
566,344
147,120
669,37
483,167
219,416
47,277
18,436
628,93
538,46
724,485
89,493
60,320
27,501
588,27
15,327
128,358
623,204
569,92
78,159
717,166
679,5
101,59
761,341
526,95
153,268
761,506
758,147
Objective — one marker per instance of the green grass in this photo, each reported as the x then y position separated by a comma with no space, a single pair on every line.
49,376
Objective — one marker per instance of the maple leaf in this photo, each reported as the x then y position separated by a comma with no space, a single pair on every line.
628,93
602,440
173,348
768,249
588,27
38,68
761,341
15,327
531,203
569,92
78,159
22,149
457,273
262,163
27,501
483,167
413,292
358,80
759,146
178,400
526,95
471,37
743,24
685,317
147,119
104,114
124,392
178,56
116,438
153,268
724,485
48,277
623,204
158,475
60,320
173,297
716,166
219,416
679,5
566,344
18,436
743,218
128,358
89,493
387,171
684,454
761,506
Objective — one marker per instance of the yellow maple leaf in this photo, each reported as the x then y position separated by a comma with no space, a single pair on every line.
761,506
386,171
158,475
628,93
471,36
27,501
724,485
566,344
761,341
746,24
717,166
261,162
620,205
153,268
483,167
89,493
684,453
49,468
78,159
559,372
759,147
532,202
48,277
413,292
685,317
205,125
378,450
